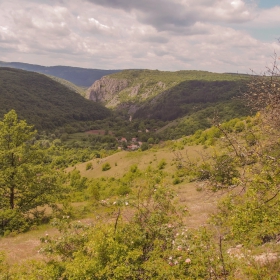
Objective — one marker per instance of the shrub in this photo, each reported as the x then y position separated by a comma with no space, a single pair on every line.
162,164
144,147
123,190
176,181
106,166
133,168
89,166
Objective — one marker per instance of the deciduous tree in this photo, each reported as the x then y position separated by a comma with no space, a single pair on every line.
26,180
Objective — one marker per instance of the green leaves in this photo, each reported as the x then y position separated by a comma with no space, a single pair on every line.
26,180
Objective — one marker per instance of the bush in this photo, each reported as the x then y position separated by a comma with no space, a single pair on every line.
162,164
89,166
176,181
144,147
123,190
133,168
106,166
12,220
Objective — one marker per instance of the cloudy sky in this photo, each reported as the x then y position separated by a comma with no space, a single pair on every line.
213,35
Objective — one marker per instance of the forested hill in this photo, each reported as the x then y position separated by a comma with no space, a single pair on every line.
166,95
189,97
44,102
79,76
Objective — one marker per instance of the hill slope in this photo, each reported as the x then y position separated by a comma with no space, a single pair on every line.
195,96
79,76
44,102
133,89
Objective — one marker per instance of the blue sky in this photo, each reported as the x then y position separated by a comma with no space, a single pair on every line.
268,3
212,35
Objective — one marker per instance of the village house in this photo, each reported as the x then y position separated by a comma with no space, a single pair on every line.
123,140
133,147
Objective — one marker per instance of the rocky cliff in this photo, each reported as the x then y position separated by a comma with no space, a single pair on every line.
122,93
106,89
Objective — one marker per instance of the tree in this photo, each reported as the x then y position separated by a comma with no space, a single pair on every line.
26,180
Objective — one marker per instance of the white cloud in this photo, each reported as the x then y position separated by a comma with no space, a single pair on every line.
213,35
268,18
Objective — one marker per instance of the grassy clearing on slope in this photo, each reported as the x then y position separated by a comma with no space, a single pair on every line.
122,161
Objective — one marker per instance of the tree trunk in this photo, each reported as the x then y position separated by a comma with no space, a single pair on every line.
12,198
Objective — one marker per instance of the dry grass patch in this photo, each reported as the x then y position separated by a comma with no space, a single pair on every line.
25,246
200,204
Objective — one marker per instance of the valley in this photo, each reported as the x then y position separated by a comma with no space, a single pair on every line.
142,174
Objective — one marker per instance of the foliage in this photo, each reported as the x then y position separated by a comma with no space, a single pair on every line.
106,166
89,166
153,244
145,237
144,146
192,96
247,167
148,84
162,164
44,102
26,179
202,117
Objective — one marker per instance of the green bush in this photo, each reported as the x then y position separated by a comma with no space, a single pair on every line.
162,164
176,181
144,147
12,220
89,166
123,190
106,166
133,168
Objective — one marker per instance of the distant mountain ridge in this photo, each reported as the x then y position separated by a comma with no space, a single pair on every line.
84,77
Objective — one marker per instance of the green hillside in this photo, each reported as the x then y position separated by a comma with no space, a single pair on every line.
78,89
151,83
188,99
166,95
43,102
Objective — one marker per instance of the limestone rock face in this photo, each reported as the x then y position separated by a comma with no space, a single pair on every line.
105,89
126,94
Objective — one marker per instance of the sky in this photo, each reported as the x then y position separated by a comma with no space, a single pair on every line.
236,36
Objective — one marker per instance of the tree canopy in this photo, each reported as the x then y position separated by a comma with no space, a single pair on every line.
26,179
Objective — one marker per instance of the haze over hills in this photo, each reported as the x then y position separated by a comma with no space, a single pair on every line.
44,102
79,76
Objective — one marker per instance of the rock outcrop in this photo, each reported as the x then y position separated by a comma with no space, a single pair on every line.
106,89
124,93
